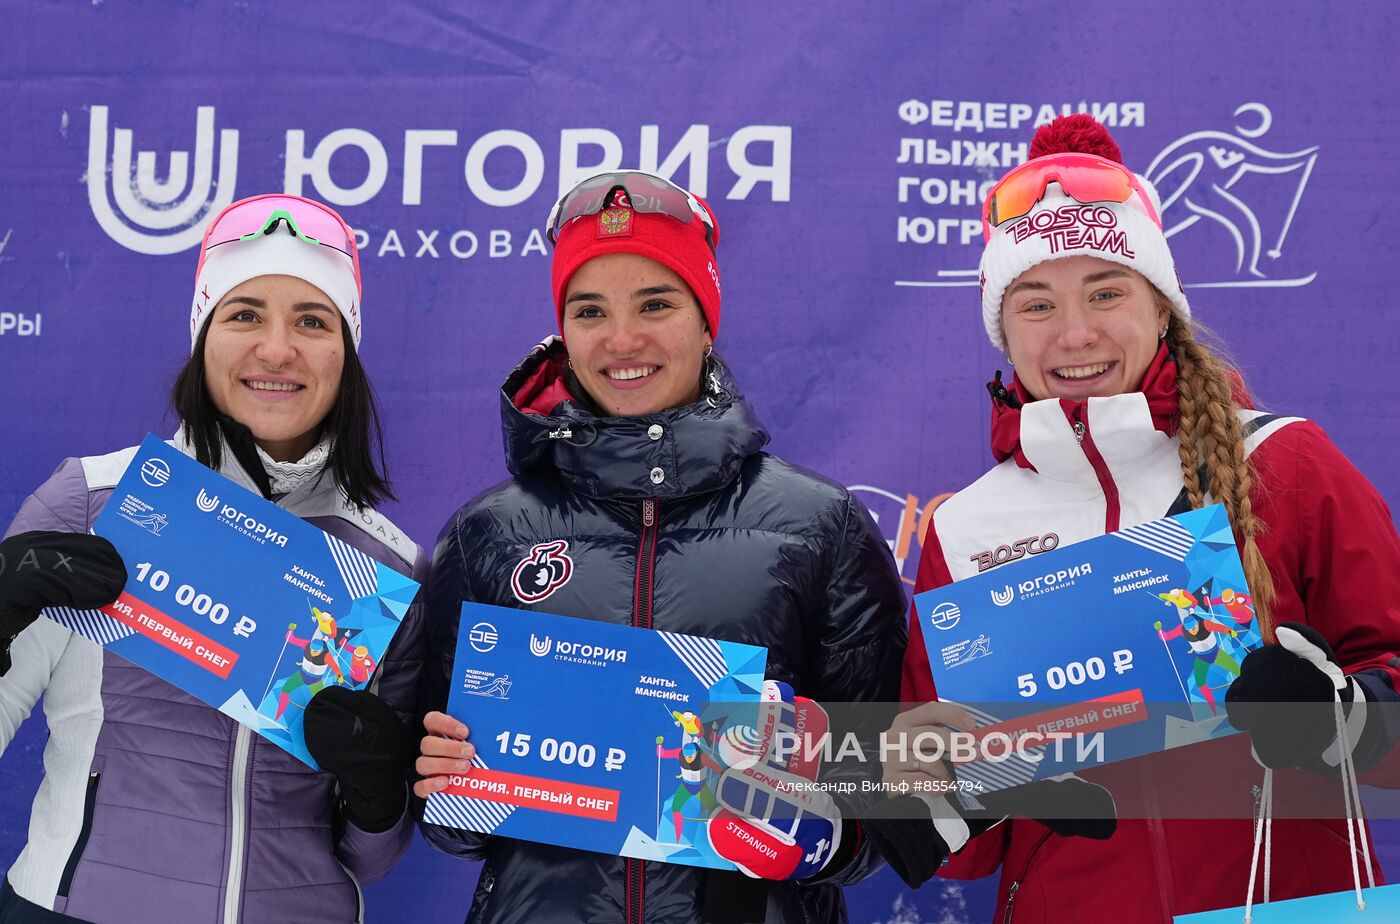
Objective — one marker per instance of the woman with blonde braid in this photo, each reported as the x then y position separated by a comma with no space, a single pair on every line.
1119,414
1210,442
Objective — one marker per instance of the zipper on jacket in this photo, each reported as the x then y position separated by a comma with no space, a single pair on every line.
646,554
238,823
1085,438
89,808
635,870
1015,886
359,893
1011,902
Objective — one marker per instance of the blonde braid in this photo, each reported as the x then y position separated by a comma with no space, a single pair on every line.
1211,438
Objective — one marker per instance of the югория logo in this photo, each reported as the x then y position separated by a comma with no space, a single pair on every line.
158,216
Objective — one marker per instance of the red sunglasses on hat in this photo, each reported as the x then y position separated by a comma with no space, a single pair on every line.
1085,178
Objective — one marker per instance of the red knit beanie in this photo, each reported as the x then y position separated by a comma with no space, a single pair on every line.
677,245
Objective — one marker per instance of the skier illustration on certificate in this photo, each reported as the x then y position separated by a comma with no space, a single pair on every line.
694,789
1213,666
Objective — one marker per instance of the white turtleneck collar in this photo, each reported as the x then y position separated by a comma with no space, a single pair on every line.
284,477
287,477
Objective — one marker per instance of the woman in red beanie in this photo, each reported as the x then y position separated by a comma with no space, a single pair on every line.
1119,414
637,461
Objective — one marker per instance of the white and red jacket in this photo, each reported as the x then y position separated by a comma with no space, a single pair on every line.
1080,470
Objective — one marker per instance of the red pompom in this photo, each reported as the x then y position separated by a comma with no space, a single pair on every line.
1080,133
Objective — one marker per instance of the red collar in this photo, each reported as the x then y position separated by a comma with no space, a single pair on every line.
545,388
1158,385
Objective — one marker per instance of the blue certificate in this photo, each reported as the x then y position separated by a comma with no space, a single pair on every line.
590,734
1136,634
236,601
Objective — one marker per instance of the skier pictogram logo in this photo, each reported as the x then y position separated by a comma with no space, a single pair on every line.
1227,182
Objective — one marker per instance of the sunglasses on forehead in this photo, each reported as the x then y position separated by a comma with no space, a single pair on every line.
1085,178
309,221
641,192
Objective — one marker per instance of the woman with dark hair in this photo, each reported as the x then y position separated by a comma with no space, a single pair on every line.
636,458
1119,413
155,806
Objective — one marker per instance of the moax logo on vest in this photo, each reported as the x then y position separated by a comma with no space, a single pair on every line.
1031,545
154,216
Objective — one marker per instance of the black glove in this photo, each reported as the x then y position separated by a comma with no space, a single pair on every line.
1302,671
1077,808
915,834
356,736
40,569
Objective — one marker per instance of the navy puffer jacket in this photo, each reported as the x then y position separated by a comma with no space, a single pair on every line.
677,521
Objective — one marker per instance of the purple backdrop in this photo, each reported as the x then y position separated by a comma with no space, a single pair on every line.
843,149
